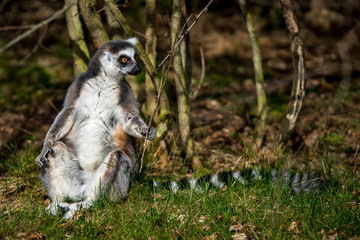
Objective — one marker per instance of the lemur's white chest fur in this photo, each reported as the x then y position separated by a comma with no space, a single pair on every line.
97,111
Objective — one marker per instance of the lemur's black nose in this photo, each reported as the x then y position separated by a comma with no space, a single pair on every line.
136,70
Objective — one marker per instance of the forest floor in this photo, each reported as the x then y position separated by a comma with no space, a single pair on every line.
326,138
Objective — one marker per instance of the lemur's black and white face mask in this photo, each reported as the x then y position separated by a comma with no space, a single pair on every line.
119,58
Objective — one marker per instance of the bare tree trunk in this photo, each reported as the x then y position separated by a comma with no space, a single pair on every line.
298,87
150,48
185,53
182,89
150,68
80,51
93,22
259,78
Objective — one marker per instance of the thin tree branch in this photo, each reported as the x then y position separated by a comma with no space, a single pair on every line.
298,184
36,47
37,26
202,76
181,37
347,111
9,28
162,85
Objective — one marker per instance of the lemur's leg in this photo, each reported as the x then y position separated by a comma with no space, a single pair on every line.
61,126
112,177
119,187
61,177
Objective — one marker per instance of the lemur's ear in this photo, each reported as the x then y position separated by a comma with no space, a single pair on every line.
133,41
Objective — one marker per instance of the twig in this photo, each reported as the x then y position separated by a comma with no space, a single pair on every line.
184,34
347,111
35,48
206,196
162,84
139,34
126,4
8,28
202,76
355,155
37,26
305,182
52,105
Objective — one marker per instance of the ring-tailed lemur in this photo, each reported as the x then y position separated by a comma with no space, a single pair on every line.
297,182
90,148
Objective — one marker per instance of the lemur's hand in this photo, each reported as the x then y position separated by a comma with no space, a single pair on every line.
142,129
152,134
42,159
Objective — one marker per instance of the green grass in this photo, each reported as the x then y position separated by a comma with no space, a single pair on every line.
258,210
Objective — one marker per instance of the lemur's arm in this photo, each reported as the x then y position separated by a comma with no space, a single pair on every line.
128,114
60,128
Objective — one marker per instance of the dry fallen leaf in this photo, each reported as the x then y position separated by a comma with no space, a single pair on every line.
213,236
331,235
294,227
239,236
237,228
202,219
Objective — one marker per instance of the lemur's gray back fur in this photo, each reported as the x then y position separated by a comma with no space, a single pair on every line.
90,148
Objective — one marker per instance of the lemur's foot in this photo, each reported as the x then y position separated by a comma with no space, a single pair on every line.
57,209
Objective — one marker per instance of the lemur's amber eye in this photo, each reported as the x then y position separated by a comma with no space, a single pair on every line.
124,60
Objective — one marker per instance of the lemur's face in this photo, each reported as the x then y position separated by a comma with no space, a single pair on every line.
119,57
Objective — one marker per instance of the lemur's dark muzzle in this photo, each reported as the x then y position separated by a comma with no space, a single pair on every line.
136,70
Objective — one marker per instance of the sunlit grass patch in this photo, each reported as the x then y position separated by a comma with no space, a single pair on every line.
256,210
